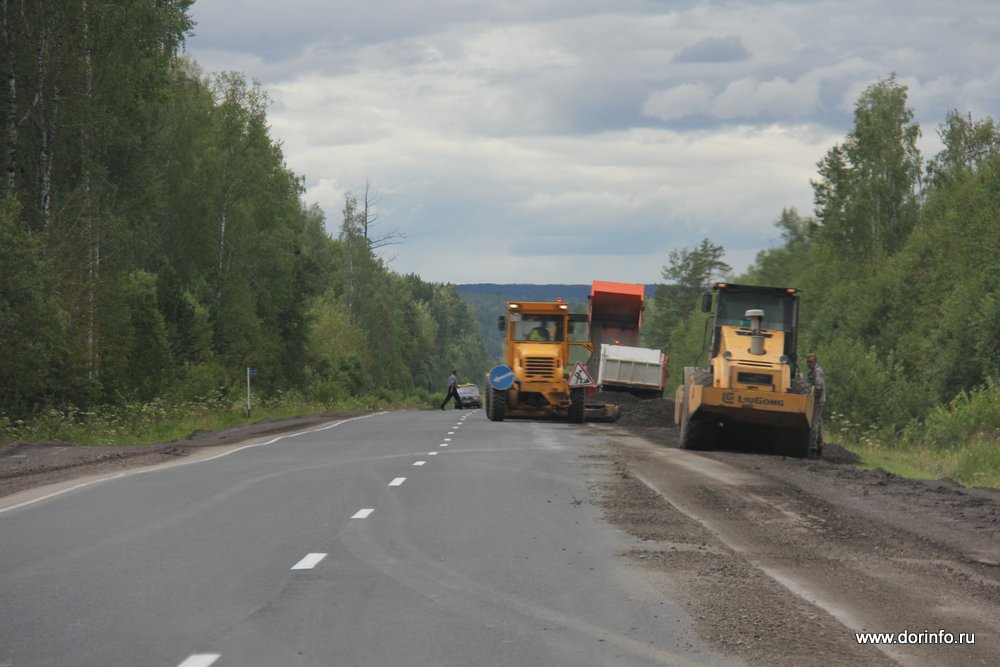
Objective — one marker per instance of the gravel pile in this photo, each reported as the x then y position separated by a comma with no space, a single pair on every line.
652,412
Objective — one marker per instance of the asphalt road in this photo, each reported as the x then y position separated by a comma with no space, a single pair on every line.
407,538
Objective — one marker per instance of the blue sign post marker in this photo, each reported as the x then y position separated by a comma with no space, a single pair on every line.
502,377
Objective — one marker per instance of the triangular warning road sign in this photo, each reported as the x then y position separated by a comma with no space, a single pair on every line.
580,377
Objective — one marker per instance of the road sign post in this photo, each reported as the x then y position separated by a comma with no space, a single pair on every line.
250,371
502,377
580,377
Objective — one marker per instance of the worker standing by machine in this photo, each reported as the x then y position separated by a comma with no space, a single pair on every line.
817,379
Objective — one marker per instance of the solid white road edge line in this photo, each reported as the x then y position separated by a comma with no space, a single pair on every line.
92,482
363,514
397,482
309,562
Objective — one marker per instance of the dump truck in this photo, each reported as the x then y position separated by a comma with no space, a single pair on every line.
615,315
750,394
544,374
640,371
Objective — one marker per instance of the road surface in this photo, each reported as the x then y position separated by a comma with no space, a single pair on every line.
405,538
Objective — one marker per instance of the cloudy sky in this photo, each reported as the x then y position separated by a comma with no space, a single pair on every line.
559,141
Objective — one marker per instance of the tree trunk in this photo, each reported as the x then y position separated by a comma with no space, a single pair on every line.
48,115
11,166
223,213
87,210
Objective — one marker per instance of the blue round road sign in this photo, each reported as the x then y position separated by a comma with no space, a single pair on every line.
502,377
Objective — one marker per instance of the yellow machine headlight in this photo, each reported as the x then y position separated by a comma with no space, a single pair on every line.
783,359
727,355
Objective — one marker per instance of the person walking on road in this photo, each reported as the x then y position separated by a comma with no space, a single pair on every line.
817,379
452,391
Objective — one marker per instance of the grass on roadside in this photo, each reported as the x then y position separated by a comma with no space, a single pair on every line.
977,463
959,440
159,421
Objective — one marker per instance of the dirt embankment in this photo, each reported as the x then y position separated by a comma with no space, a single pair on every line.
24,466
780,561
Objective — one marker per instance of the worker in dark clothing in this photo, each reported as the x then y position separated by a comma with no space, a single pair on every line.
817,379
452,390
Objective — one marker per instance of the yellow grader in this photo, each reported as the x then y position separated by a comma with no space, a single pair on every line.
544,374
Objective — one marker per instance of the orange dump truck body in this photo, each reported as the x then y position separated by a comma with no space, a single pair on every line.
619,364
616,313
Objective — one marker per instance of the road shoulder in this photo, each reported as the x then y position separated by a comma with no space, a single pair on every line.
776,572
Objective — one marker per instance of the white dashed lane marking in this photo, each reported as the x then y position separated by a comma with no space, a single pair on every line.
200,660
313,559
309,562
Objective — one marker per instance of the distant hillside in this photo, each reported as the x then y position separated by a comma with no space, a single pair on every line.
526,292
532,292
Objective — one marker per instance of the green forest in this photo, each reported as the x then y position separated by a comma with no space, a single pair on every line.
898,269
154,245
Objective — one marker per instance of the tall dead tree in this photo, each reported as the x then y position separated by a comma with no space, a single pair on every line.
367,219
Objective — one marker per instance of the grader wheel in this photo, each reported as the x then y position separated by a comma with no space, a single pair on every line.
496,404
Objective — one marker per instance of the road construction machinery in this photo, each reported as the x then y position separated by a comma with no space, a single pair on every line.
619,363
546,350
749,396
639,371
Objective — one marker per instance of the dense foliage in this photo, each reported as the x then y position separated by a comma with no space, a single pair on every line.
154,244
898,270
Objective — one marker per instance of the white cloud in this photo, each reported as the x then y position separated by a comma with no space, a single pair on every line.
713,50
514,49
554,140
684,100
638,194
744,99
777,98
